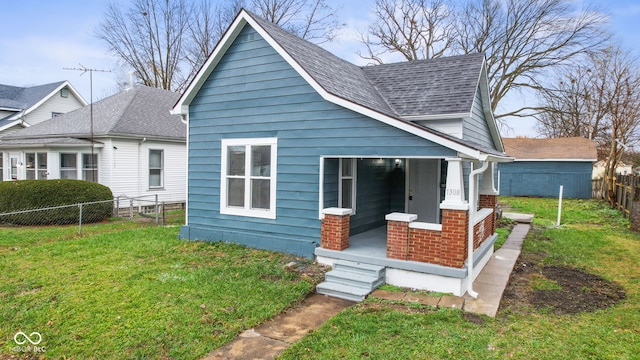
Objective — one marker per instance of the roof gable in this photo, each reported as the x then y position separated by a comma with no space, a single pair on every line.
141,111
555,149
353,87
27,99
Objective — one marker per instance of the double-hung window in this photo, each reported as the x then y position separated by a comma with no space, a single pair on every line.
90,167
156,165
347,187
36,167
248,181
68,165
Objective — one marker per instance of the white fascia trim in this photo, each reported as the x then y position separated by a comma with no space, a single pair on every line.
437,117
483,83
555,160
42,101
10,125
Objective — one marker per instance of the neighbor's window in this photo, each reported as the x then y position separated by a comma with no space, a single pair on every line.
248,181
90,167
36,167
156,163
68,166
347,187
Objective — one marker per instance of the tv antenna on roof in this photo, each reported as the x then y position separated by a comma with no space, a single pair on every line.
85,70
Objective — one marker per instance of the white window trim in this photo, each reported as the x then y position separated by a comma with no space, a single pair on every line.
247,210
354,171
161,186
83,169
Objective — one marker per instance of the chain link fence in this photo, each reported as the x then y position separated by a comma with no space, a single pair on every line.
147,209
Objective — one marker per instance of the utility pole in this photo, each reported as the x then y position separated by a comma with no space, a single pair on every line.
84,70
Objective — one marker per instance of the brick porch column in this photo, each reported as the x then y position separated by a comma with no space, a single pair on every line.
489,194
455,218
398,235
455,227
334,234
490,202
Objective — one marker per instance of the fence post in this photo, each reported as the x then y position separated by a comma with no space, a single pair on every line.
80,220
156,209
130,208
163,214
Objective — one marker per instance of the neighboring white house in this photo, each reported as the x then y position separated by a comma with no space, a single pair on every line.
621,169
21,107
128,142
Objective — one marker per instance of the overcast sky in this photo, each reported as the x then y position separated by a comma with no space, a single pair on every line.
40,38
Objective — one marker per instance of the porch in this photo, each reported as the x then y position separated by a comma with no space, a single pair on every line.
441,253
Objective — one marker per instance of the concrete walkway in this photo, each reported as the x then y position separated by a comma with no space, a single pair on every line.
493,279
273,337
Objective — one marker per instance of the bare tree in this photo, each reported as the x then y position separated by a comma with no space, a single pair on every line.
166,42
313,20
416,29
521,38
600,101
206,28
578,105
149,37
624,110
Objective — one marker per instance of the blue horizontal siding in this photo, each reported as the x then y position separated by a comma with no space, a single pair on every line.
475,128
255,93
543,179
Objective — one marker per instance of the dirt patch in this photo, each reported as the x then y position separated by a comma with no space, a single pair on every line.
558,289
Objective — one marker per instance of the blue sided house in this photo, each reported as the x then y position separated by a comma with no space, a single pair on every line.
293,149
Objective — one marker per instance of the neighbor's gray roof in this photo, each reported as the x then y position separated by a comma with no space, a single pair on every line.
140,112
412,88
21,98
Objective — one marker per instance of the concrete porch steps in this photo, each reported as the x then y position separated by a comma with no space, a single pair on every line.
351,281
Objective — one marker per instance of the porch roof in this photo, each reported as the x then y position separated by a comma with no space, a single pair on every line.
46,142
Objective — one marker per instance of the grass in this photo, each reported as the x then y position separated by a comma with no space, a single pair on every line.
592,237
125,290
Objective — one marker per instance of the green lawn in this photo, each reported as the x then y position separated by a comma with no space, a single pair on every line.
126,290
592,238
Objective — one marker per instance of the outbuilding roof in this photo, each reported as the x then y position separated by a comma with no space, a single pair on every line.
554,149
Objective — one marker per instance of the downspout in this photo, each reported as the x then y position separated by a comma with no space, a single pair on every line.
473,206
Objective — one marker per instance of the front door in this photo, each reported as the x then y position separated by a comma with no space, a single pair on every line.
424,189
14,161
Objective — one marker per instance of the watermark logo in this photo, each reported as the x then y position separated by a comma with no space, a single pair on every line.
21,339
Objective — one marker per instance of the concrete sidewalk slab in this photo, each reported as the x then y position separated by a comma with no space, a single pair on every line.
493,279
273,337
518,217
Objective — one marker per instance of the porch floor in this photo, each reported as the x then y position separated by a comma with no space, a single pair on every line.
372,243
370,247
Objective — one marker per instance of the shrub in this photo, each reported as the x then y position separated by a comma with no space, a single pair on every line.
36,194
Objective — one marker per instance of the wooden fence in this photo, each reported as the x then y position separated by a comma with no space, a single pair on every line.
626,194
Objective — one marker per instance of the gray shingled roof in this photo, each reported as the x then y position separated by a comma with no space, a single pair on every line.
141,111
16,97
412,88
429,87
